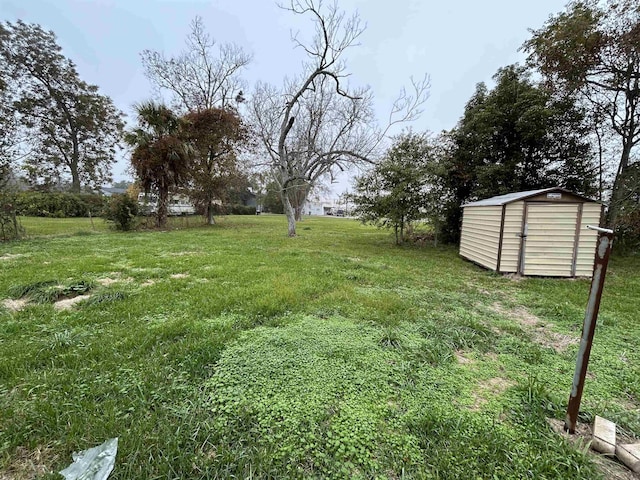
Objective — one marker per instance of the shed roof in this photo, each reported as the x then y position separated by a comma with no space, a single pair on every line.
516,196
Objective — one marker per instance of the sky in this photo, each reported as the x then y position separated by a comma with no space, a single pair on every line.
458,43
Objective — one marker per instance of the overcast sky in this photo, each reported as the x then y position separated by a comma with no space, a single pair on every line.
458,43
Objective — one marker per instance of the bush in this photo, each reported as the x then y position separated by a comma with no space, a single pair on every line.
122,211
241,210
628,233
59,205
10,228
234,210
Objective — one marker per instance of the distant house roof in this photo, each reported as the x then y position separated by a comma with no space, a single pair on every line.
108,191
516,196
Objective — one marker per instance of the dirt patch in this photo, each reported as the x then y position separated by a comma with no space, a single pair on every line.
462,359
493,386
611,469
182,254
147,283
558,341
67,303
14,305
521,314
540,331
179,275
11,256
105,282
27,464
516,277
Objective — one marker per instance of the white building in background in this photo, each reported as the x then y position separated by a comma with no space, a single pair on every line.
317,205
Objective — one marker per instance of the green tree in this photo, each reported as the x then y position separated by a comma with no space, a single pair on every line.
72,128
397,190
216,136
593,49
272,201
160,157
517,137
628,226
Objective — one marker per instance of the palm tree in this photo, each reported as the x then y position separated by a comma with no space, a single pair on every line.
160,156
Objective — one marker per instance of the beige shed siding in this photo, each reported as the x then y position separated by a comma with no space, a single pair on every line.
481,234
511,237
587,243
550,239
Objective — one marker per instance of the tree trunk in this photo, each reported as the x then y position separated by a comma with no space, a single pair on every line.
616,192
163,202
210,219
290,213
75,176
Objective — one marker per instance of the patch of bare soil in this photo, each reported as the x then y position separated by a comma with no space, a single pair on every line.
462,359
28,464
11,256
611,469
541,331
105,282
182,254
14,305
147,283
494,386
514,277
179,275
67,303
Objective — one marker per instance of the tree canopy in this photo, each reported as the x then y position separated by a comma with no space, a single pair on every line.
215,136
518,136
72,129
593,49
160,157
397,190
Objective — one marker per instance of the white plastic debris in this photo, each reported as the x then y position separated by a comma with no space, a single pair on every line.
93,464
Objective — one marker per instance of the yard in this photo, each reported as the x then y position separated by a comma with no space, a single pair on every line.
235,352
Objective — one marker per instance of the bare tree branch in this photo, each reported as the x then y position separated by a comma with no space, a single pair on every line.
317,124
204,75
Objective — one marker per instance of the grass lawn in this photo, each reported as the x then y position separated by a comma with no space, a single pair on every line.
235,352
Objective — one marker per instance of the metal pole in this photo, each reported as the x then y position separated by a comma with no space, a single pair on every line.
603,250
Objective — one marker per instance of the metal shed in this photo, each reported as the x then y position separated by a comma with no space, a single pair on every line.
538,232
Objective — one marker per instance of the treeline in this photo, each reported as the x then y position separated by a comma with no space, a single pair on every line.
570,117
576,126
518,136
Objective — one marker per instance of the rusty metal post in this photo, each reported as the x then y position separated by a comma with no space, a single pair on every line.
603,250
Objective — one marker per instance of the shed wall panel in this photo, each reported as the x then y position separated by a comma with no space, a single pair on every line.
480,235
591,213
511,238
550,239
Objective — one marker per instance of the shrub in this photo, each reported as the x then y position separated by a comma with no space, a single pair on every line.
122,211
235,209
58,205
628,233
241,210
10,228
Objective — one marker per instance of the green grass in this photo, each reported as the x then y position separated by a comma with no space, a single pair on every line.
39,226
234,351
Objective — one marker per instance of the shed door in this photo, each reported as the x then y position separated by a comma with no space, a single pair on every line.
550,241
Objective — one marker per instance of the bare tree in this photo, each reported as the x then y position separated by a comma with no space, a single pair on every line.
316,125
205,75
